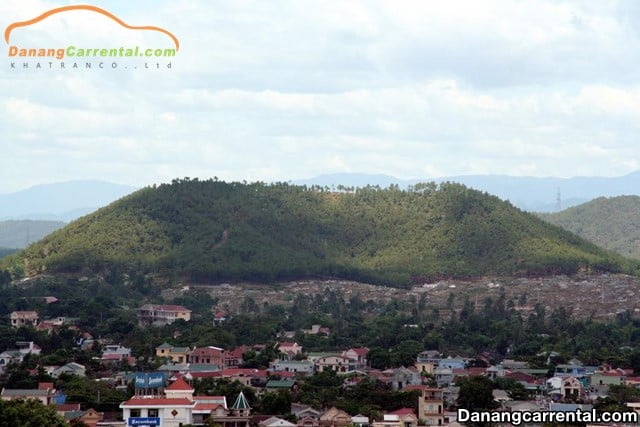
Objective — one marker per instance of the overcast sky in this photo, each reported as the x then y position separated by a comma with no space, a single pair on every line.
276,90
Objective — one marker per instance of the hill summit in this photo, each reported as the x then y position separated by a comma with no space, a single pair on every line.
212,231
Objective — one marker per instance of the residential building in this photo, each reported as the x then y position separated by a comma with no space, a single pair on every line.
452,363
566,370
275,422
360,420
275,385
162,314
358,355
248,377
301,410
613,377
234,358
402,377
24,318
208,406
404,417
296,366
176,354
317,330
209,355
115,353
239,415
428,361
334,417
571,388
444,376
90,417
290,349
71,368
45,393
10,356
220,317
430,405
28,347
339,364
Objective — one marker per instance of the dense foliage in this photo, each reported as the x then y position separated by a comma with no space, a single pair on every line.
29,413
211,231
612,223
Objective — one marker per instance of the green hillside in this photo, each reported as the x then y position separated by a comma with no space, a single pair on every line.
210,231
612,223
20,233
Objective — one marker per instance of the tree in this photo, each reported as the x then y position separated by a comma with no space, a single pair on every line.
29,413
476,394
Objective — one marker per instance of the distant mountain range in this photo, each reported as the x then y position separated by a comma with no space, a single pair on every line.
527,193
63,201
67,201
19,234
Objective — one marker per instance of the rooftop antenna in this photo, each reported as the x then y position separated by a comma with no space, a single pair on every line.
558,201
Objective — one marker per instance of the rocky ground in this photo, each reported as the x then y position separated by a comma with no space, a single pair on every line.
586,296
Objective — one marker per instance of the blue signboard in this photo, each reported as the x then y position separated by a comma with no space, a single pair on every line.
155,379
149,380
141,380
140,421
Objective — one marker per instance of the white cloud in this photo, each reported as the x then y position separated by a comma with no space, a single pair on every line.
286,90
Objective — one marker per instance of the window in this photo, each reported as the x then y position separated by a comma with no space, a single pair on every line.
134,413
153,413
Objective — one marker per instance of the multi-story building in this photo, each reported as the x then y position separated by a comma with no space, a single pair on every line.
176,354
162,314
24,318
210,355
357,354
430,404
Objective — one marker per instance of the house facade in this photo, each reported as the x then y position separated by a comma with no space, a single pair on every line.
431,405
207,355
162,314
358,355
176,354
338,364
23,318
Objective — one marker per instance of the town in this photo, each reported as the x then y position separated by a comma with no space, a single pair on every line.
281,383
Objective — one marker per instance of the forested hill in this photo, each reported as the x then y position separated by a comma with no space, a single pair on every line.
613,223
211,231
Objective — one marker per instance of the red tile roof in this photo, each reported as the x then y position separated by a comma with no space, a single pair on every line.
68,407
476,372
412,387
212,374
207,406
285,374
136,401
360,351
245,372
180,385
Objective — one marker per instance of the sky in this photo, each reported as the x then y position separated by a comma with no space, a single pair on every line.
286,90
